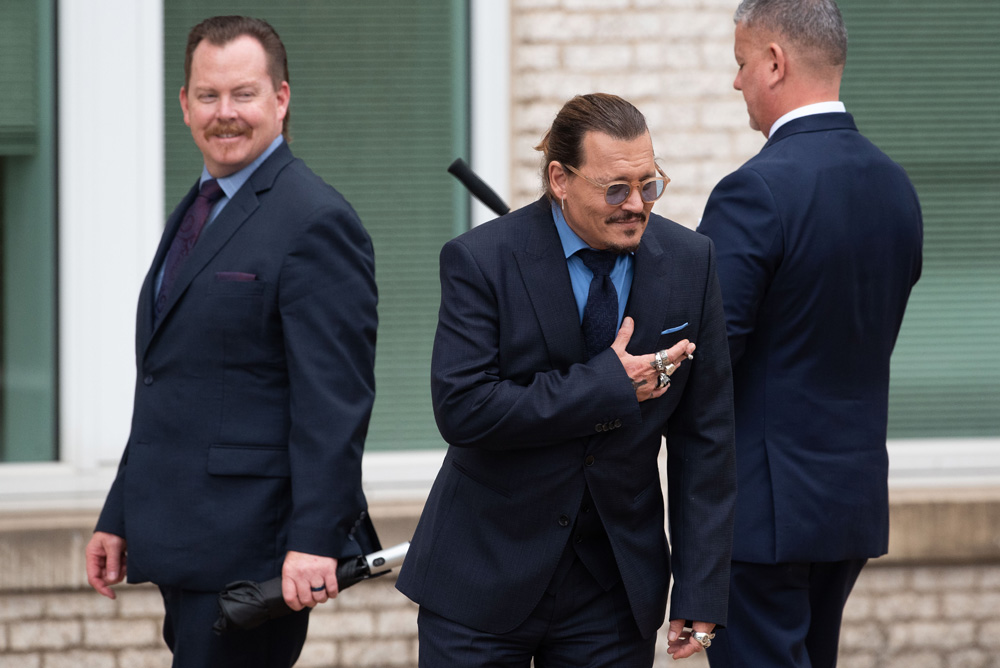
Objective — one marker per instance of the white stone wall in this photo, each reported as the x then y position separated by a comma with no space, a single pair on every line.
673,59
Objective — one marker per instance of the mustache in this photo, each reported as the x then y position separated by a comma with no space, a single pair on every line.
226,129
626,217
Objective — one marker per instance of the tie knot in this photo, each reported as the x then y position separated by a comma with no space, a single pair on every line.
599,262
211,190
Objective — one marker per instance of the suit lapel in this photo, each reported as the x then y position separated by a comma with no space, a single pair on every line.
650,296
216,235
546,280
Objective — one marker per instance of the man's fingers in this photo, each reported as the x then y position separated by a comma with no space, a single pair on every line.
624,335
290,591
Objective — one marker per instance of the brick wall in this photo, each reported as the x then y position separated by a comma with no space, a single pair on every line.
673,59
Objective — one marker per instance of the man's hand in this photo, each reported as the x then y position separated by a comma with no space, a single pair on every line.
681,644
308,580
640,369
106,562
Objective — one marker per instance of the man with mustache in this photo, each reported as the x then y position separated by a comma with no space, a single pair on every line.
560,362
255,347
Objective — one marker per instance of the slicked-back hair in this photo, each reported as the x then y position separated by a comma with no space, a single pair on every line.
221,30
813,25
594,112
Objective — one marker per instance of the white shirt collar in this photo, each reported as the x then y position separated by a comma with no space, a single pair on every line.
808,110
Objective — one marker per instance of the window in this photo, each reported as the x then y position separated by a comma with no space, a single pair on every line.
27,233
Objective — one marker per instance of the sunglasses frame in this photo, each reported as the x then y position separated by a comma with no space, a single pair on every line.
607,186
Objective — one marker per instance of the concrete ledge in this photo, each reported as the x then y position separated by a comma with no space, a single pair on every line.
43,549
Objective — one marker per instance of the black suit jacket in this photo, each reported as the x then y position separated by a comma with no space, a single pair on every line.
529,423
819,239
253,392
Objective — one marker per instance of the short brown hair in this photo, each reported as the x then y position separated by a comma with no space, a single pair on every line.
594,112
221,30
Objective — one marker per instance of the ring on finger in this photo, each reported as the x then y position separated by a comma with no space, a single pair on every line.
318,589
704,639
662,380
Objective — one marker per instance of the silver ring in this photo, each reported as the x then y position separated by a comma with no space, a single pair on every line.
704,639
322,588
669,369
662,380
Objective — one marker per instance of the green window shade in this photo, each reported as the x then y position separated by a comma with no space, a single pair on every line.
379,110
922,83
18,77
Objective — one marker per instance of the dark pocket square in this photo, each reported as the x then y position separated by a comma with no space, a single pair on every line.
234,276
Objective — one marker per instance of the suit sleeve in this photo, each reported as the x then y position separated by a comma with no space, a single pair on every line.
476,407
743,221
327,299
701,472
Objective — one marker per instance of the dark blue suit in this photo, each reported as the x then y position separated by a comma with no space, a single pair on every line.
819,240
257,382
529,424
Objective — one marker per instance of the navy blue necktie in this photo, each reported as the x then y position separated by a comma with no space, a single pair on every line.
600,315
185,239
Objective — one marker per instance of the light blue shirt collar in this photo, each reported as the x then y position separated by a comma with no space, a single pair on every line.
231,184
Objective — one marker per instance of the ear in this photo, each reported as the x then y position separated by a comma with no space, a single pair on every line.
557,179
184,106
284,95
777,63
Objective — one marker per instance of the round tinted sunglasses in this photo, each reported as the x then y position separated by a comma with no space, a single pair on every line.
616,192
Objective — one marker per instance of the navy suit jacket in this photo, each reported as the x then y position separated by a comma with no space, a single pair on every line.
819,240
254,390
529,422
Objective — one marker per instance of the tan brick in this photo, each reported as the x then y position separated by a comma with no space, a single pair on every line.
3,638
862,636
318,654
537,57
145,658
369,595
534,4
601,5
971,606
914,660
856,659
879,578
121,633
990,578
989,635
906,605
342,624
397,623
946,578
43,635
362,654
20,661
141,602
859,607
88,604
930,636
599,58
80,659
969,658
20,607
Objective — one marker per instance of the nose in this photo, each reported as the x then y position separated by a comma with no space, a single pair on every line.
736,82
226,107
634,201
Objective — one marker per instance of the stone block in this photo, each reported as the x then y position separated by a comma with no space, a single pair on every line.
27,636
342,624
599,58
121,633
989,635
546,57
598,5
553,27
84,604
81,659
20,607
906,605
145,658
914,660
397,623
858,607
946,578
930,636
318,654
846,659
880,578
862,636
966,607
519,5
969,658
371,595
20,661
141,601
385,653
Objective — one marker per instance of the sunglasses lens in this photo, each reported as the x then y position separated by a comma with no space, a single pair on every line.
653,190
617,193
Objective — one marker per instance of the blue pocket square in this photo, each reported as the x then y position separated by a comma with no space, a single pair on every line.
234,276
673,329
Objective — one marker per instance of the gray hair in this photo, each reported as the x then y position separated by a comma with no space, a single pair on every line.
815,25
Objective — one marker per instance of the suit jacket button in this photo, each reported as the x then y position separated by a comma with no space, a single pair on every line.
618,423
148,380
589,461
563,521
598,427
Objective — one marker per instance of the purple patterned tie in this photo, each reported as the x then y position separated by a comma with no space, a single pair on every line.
186,238
600,315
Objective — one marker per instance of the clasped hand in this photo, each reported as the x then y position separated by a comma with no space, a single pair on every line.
641,368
